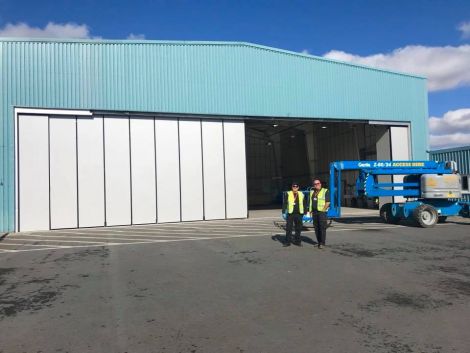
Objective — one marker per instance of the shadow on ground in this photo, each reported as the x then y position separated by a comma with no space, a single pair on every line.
358,220
282,225
282,239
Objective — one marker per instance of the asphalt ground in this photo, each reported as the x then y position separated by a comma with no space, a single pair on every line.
230,286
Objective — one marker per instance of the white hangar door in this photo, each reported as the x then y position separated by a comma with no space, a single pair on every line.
192,198
213,174
235,170
32,187
91,171
63,172
400,146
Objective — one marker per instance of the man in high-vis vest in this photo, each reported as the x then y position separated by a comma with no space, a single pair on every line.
295,206
318,206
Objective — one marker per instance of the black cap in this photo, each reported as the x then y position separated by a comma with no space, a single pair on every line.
295,183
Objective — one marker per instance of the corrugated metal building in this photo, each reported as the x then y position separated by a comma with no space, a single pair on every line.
98,133
461,155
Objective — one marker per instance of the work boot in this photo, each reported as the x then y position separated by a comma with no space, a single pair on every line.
320,246
286,244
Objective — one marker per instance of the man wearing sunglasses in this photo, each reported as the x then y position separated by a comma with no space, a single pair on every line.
295,206
318,206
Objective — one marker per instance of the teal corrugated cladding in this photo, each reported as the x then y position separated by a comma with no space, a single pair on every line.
198,78
461,155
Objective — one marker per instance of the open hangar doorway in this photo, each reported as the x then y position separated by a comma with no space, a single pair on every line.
280,151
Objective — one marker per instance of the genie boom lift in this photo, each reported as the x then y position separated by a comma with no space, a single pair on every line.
432,189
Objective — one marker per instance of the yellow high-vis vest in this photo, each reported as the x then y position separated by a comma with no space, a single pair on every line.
291,201
321,201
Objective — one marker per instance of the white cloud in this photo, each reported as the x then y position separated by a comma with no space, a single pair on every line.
445,67
465,29
450,130
136,36
449,141
51,30
305,51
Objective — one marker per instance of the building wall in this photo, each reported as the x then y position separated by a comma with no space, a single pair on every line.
208,78
460,155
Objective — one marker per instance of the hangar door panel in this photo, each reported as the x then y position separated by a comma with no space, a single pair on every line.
110,170
384,154
191,170
90,172
33,172
235,169
214,173
400,143
117,171
399,139
63,172
143,171
168,173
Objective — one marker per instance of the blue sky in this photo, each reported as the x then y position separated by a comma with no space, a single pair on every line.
416,35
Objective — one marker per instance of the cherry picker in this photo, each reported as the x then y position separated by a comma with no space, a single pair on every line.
432,190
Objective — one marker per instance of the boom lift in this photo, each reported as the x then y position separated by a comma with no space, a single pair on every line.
432,189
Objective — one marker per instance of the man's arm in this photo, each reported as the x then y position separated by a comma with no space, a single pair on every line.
327,201
284,202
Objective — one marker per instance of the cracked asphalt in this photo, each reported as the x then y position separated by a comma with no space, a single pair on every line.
230,286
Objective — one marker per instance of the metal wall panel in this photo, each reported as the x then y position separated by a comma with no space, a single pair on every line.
168,172
63,172
90,172
214,169
207,78
33,169
192,194
117,171
235,169
399,140
461,155
143,170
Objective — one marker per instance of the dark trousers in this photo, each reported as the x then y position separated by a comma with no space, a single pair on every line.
293,219
319,222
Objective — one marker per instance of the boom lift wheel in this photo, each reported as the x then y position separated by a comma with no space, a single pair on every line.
425,215
386,214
